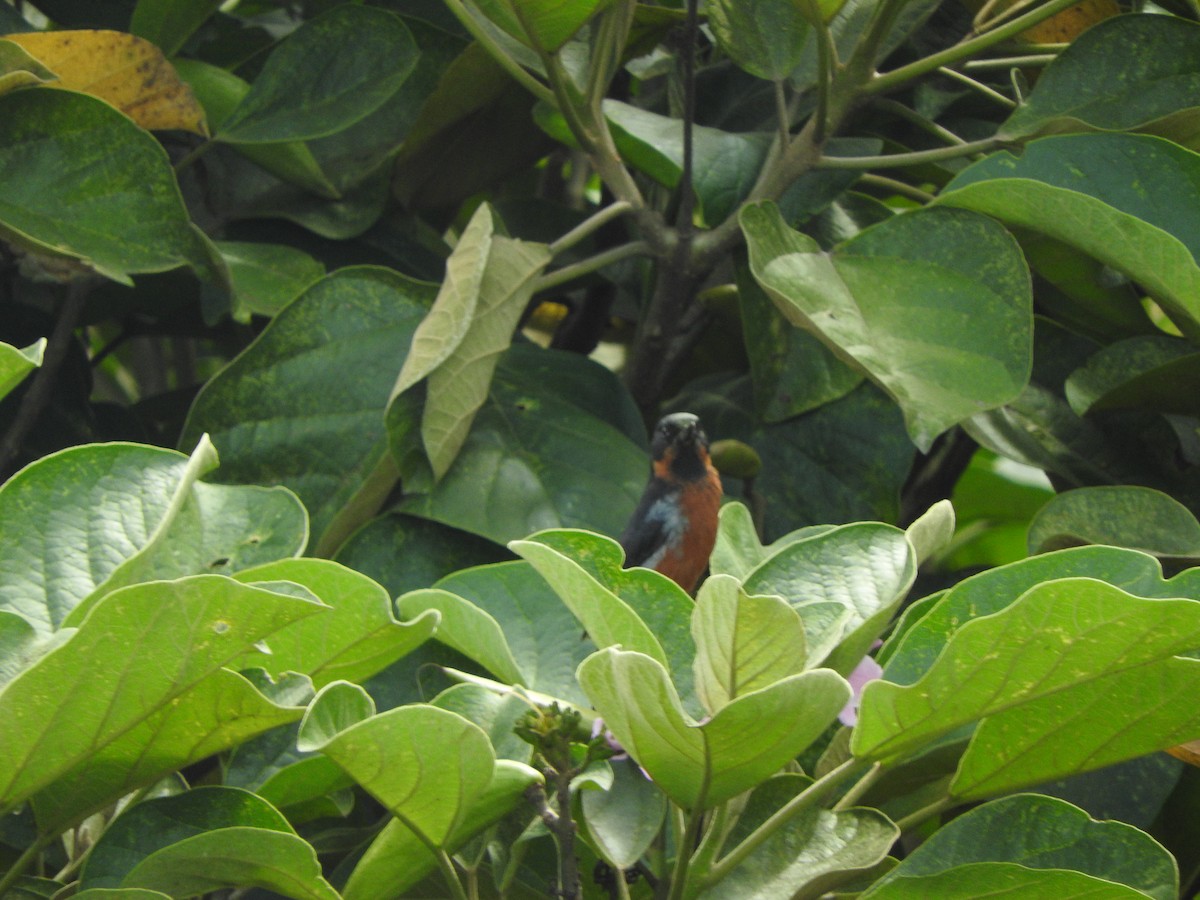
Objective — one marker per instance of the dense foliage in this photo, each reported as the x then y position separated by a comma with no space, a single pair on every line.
330,334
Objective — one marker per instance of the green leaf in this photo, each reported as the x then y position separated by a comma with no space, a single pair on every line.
358,637
547,24
761,36
436,772
1130,201
932,532
16,363
132,513
1150,79
307,90
1070,643
18,68
267,277
488,285
862,571
169,23
129,220
893,301
277,416
398,858
637,609
468,629
75,698
223,711
497,714
793,371
743,643
608,619
810,850
427,765
547,450
203,840
918,641
1038,833
122,894
702,765
623,820
539,631
219,92
1122,515
404,553
1154,372
337,706
1003,879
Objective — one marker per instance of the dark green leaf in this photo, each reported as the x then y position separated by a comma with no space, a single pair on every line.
762,36
266,277
169,23
307,89
1149,75
81,181
1130,201
278,416
1122,515
404,553
545,451
204,840
1150,372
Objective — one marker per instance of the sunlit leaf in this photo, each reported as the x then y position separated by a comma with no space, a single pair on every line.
893,302
703,764
16,363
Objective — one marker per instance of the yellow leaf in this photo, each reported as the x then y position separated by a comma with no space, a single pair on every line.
126,71
1189,752
1070,23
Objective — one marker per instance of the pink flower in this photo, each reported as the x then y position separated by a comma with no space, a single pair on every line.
865,671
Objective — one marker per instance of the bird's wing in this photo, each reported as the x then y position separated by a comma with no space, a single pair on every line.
651,526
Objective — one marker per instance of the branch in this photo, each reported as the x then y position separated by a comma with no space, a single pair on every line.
917,157
42,385
968,48
506,62
687,190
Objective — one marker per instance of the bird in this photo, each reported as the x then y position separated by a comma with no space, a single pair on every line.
674,526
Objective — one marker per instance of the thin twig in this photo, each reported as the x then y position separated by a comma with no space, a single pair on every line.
979,87
1009,62
591,264
927,125
898,187
590,225
897,77
40,389
915,158
687,190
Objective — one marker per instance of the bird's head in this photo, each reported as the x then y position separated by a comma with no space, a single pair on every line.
680,447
